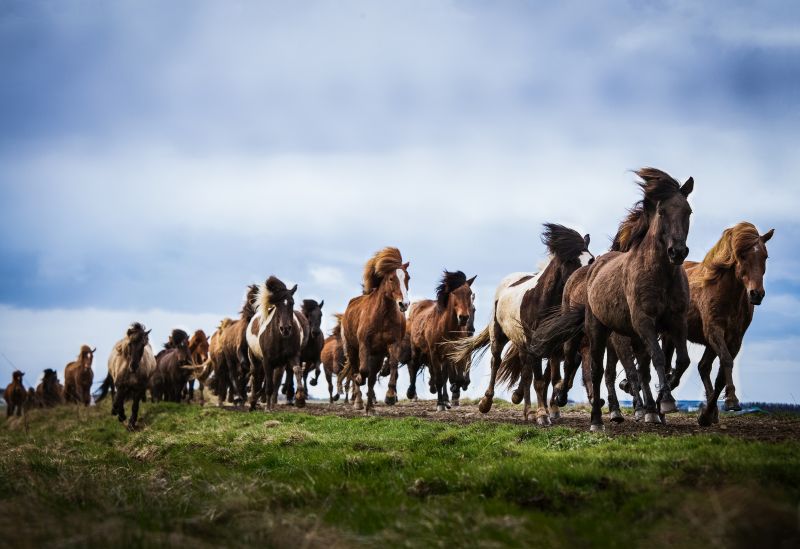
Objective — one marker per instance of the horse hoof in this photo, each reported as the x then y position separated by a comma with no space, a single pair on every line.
301,403
638,415
668,407
652,417
704,420
440,408
625,385
555,415
485,405
543,421
456,402
616,416
335,397
411,394
597,428
433,390
358,406
516,397
732,405
390,400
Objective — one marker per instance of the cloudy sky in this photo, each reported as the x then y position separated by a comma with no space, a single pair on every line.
156,158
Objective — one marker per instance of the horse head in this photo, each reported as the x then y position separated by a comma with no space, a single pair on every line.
138,339
394,286
313,313
280,304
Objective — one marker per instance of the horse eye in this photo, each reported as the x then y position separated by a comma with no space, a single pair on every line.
591,260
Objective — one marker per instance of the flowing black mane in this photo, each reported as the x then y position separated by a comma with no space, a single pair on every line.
249,306
563,242
277,290
450,281
176,338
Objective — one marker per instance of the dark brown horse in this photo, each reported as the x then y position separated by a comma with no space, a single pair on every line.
198,347
374,321
432,323
641,294
171,375
49,392
15,395
310,356
78,377
725,288
521,301
275,337
332,357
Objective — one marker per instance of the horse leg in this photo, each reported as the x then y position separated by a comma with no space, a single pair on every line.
643,359
375,363
598,337
455,378
554,366
118,408
716,339
135,410
316,375
278,374
646,330
708,411
540,383
498,341
622,347
562,387
288,384
299,375
391,391
611,377
329,379
256,381
413,369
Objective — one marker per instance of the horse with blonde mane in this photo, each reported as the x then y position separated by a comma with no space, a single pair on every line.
725,288
374,321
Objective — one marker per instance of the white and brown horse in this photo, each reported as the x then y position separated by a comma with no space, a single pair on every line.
374,321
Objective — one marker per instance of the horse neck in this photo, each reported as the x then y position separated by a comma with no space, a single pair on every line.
448,319
730,289
653,253
383,304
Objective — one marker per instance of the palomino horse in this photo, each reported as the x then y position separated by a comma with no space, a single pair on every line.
232,359
642,293
310,355
78,377
724,287
170,378
431,323
15,395
49,392
520,303
374,321
275,337
198,347
130,366
332,357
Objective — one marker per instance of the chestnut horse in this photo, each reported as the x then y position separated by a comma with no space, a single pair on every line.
431,323
130,366
332,357
374,321
521,301
15,394
49,392
725,288
642,293
78,377
198,347
275,337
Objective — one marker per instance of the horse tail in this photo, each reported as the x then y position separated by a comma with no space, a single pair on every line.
556,330
103,390
460,350
510,369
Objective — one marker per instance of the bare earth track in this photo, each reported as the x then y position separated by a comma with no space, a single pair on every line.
757,426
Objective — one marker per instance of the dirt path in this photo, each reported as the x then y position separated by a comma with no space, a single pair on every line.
760,426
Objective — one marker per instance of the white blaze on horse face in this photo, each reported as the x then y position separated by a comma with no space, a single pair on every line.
585,258
401,277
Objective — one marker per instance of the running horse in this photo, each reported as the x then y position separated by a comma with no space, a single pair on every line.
78,377
374,321
433,322
725,288
521,301
642,294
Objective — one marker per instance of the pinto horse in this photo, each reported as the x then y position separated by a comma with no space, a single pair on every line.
78,377
725,288
374,321
642,293
275,337
431,323
130,366
521,301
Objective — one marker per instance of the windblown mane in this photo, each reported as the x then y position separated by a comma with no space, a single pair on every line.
382,263
450,281
224,323
337,330
176,338
308,306
84,350
563,242
734,243
249,306
656,186
270,293
136,331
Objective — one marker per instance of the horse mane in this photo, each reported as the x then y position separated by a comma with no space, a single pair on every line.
136,331
450,281
249,306
337,330
656,185
733,243
84,349
382,263
563,242
224,323
176,338
308,306
270,293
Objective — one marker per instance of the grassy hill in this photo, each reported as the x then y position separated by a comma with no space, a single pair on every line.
208,477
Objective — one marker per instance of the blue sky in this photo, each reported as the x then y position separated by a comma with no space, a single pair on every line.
156,158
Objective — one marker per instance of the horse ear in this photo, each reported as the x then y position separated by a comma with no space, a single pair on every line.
293,290
321,303
471,280
147,333
766,236
586,240
406,264
93,350
686,188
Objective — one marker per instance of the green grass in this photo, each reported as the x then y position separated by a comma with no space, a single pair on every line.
204,476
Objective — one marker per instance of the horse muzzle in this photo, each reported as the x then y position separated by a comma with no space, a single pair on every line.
403,305
756,296
462,320
677,254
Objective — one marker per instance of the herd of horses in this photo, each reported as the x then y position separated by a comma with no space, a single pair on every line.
636,304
